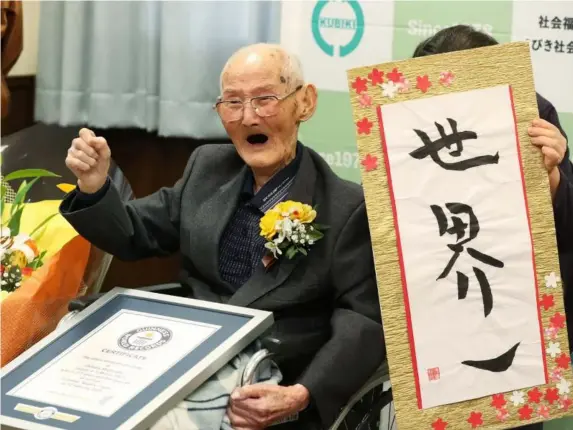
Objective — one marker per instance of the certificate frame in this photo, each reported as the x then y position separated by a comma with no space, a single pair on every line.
239,327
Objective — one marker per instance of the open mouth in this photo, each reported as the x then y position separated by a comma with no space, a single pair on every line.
257,139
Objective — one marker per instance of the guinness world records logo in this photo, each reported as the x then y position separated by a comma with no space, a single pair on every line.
321,20
145,338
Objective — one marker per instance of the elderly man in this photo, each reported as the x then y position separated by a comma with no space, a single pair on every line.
324,301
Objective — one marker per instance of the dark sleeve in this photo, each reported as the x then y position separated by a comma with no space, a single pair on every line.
356,347
563,201
563,214
79,200
142,228
548,112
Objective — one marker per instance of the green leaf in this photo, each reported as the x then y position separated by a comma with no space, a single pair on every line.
43,223
38,261
291,252
320,227
30,173
21,194
303,251
38,235
315,235
14,223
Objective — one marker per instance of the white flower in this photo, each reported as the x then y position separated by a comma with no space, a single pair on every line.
273,247
280,238
552,280
302,241
564,386
517,398
311,242
294,238
287,226
389,89
554,349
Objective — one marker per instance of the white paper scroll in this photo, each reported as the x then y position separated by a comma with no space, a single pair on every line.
455,339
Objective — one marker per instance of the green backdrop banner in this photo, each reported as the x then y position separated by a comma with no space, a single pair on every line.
333,36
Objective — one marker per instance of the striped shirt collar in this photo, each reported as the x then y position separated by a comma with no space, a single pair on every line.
276,189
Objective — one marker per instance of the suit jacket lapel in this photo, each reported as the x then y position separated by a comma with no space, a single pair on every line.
215,214
263,281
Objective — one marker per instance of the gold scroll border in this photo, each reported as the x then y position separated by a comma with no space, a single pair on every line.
507,64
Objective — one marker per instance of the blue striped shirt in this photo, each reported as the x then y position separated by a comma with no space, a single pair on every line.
242,248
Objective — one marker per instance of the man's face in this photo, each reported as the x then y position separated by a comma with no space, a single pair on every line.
265,143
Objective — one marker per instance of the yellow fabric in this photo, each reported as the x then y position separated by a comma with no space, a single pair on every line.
66,188
53,235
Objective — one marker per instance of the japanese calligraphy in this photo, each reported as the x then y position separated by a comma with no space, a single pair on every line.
464,243
556,23
465,232
455,139
497,364
557,46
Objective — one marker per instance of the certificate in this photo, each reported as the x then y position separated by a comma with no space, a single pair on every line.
114,362
132,357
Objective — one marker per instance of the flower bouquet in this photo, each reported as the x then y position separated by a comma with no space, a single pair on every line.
43,262
19,253
289,228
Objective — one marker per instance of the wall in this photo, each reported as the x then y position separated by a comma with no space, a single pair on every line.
21,79
27,64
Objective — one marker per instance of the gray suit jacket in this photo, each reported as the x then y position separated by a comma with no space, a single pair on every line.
325,304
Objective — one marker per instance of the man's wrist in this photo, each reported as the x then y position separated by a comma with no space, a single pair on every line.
302,395
91,190
554,180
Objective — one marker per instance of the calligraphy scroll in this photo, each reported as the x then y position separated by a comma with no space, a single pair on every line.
462,229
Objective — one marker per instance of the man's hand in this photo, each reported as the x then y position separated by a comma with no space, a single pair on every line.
257,406
553,146
89,160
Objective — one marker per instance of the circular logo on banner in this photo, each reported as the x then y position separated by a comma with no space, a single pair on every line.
145,338
321,20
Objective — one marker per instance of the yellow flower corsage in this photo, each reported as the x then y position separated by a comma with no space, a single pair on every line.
288,228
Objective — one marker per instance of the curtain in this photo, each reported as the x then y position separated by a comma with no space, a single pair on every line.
153,65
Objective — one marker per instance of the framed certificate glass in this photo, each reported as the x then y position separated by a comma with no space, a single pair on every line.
124,362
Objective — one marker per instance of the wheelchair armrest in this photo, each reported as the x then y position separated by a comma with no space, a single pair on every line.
269,346
80,303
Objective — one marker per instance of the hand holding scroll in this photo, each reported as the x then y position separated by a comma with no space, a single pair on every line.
553,146
89,160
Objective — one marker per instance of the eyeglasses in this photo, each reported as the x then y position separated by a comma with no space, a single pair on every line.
264,106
